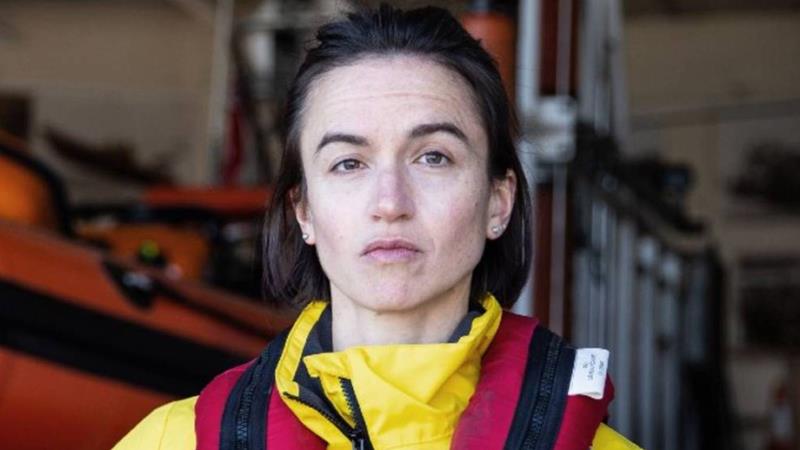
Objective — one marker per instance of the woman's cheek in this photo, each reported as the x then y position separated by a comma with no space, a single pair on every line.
335,223
462,218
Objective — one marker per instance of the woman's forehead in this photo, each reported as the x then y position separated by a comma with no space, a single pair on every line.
397,92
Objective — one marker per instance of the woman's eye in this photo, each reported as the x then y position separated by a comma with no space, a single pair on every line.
434,158
347,165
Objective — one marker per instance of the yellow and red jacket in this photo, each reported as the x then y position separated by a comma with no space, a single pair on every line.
474,391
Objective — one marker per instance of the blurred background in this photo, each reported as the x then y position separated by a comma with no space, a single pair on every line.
139,141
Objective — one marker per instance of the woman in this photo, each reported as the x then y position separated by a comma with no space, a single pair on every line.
400,224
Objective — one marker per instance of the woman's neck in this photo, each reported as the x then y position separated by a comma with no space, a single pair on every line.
431,321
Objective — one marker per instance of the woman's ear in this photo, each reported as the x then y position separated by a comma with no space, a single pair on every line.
302,214
501,204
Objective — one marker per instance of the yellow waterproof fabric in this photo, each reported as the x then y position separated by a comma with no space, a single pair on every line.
607,439
406,401
168,427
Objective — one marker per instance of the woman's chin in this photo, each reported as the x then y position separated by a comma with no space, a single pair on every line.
392,305
402,294
389,299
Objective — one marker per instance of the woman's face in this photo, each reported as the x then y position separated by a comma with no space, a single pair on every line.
398,200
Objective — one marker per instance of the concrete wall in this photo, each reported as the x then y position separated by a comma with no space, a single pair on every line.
701,86
133,72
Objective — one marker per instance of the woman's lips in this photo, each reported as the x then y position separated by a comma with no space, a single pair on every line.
391,251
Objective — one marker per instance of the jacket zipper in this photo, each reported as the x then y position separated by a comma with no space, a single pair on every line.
343,427
359,436
358,442
356,435
540,412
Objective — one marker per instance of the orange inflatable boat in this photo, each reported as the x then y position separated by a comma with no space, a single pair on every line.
90,342
88,345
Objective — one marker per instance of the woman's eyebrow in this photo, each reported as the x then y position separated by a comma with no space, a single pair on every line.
445,127
417,132
330,138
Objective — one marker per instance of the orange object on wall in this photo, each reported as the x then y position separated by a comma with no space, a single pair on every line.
498,35
227,201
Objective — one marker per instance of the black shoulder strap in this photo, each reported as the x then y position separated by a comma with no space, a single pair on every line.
540,409
244,419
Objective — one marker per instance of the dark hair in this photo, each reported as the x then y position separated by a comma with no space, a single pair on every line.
292,272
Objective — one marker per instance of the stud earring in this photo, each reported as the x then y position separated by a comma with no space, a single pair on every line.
305,236
495,229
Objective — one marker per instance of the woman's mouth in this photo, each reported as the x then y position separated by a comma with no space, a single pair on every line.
391,251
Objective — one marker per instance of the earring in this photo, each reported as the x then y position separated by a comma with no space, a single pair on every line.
495,229
304,236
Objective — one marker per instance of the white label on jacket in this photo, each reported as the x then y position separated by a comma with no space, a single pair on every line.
589,372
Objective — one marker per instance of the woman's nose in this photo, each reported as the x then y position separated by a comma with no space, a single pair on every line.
393,198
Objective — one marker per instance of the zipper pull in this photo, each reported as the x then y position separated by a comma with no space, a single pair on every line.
358,441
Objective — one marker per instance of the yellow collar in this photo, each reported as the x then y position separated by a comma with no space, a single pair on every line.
411,396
